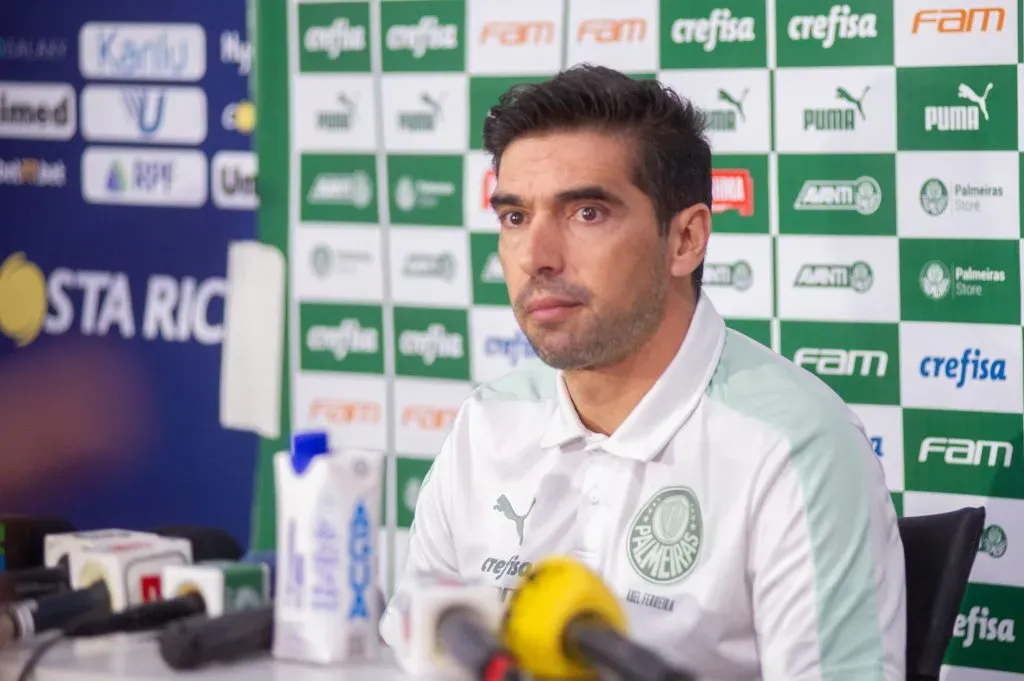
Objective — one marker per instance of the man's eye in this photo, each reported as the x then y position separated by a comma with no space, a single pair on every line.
589,214
513,218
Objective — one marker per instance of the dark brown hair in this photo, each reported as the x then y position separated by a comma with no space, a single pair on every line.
673,163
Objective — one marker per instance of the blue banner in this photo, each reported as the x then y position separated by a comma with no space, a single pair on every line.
125,171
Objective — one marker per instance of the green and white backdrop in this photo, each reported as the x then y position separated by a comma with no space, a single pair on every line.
866,225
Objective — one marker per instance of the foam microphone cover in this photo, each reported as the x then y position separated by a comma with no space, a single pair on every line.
208,543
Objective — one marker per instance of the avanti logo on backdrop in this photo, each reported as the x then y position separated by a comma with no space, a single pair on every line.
862,195
959,20
429,266
152,52
738,275
970,366
338,188
32,172
856,276
174,310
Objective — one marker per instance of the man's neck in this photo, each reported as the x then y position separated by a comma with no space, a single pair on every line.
604,397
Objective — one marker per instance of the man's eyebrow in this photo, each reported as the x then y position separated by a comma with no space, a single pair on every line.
592,192
505,200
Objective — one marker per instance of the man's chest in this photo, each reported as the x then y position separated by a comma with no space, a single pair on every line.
666,539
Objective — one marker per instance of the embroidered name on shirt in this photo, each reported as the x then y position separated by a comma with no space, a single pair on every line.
650,600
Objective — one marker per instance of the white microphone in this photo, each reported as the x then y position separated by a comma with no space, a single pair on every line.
131,569
447,624
57,546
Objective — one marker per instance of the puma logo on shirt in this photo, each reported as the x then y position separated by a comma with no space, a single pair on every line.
504,506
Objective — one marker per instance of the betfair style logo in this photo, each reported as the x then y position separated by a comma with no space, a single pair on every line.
666,536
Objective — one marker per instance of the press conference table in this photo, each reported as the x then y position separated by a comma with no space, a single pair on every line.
136,658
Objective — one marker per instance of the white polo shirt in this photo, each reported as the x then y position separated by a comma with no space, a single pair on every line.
739,512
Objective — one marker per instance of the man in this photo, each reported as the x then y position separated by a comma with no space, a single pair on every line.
730,499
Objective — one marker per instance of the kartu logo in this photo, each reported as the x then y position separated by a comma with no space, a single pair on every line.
428,417
603,31
341,412
732,189
518,33
149,587
959,20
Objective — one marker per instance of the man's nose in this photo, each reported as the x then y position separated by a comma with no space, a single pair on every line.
543,248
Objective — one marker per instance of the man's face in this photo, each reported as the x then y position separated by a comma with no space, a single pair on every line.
586,268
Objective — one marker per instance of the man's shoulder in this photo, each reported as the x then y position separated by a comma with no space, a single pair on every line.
532,382
759,384
508,415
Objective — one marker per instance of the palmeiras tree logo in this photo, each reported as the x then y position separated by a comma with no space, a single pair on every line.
665,538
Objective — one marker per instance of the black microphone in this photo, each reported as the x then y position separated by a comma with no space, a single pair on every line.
28,618
198,641
477,649
141,617
605,648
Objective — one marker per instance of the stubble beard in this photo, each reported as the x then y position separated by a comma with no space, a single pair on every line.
605,338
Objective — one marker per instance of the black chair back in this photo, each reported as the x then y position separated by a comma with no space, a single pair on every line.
939,552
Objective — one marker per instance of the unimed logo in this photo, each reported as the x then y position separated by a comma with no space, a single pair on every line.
37,110
973,20
969,366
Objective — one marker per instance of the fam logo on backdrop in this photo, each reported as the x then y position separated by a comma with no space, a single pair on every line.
978,33
352,409
529,34
425,412
101,303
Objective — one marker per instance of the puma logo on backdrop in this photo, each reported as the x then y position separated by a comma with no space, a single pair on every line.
504,506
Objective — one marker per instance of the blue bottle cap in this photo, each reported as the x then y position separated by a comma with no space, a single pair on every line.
305,446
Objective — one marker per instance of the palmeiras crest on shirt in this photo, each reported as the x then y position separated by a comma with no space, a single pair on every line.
665,539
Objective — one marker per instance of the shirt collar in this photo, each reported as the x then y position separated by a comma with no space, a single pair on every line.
668,404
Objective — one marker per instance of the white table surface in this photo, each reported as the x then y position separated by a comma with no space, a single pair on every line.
136,657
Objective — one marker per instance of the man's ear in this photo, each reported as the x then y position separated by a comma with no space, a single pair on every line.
688,234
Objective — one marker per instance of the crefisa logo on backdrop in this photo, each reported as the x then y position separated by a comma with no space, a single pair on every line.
160,113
